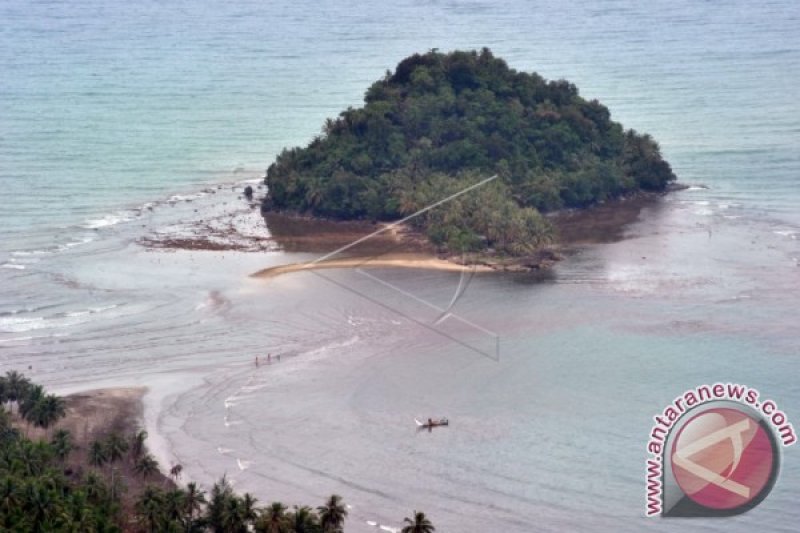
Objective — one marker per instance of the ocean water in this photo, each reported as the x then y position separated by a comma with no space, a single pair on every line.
120,120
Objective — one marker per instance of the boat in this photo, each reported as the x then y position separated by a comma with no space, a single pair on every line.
431,423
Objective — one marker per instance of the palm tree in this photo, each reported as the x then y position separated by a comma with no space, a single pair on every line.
146,466
273,519
62,444
48,411
78,516
32,396
303,520
40,506
195,500
15,386
332,514
96,490
137,444
249,512
116,447
175,472
232,516
221,492
149,508
174,504
97,454
420,524
9,494
3,389
32,458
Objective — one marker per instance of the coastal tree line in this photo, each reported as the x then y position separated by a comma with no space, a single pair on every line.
438,123
50,484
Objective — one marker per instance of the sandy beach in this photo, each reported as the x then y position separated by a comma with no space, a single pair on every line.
408,260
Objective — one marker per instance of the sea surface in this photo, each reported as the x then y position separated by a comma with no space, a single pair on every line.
120,120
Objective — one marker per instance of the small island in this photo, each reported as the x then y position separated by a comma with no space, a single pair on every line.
442,122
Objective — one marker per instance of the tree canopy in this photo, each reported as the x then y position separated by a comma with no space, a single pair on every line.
439,123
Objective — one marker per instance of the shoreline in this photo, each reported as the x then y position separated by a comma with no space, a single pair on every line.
398,260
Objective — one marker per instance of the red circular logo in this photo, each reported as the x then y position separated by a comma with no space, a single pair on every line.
723,458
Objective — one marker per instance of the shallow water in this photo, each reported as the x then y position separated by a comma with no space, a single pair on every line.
120,125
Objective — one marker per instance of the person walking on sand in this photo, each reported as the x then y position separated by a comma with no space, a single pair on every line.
269,358
256,361
279,358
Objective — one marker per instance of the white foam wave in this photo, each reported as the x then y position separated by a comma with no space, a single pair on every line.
14,266
14,324
72,244
186,197
108,220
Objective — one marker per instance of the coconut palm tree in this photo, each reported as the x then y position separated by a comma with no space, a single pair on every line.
138,444
98,455
273,519
303,520
146,466
116,447
332,514
221,492
232,516
149,508
62,444
420,524
249,511
175,472
10,494
174,505
48,411
194,502
3,389
27,402
78,516
16,386
96,490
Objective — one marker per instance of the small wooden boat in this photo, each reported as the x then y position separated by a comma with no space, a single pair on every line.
432,423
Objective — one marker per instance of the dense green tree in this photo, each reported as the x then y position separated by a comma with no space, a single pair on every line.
439,123
146,466
332,514
273,519
62,444
194,502
418,524
15,387
150,508
98,454
116,447
303,520
138,444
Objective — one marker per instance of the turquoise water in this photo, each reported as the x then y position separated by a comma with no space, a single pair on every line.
113,115
109,104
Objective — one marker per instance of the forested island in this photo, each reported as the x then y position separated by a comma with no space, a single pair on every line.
442,122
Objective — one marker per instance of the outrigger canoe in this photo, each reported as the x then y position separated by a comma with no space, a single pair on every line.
432,423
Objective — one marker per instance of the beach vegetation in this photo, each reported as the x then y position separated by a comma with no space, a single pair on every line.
53,485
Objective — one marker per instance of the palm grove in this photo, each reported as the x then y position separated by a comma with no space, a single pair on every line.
437,124
51,485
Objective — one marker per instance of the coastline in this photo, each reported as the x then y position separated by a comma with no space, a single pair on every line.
94,414
399,260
